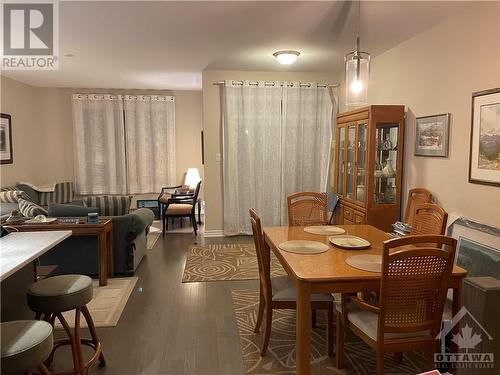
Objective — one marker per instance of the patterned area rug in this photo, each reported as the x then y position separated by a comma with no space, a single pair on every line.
280,358
219,262
152,237
107,304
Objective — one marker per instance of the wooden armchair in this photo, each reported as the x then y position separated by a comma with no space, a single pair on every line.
181,206
415,197
429,219
280,293
307,208
412,296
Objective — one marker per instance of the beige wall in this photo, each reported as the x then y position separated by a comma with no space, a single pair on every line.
212,131
43,136
436,72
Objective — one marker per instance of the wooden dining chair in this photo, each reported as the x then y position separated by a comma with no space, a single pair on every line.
429,219
280,293
307,208
415,197
413,288
181,206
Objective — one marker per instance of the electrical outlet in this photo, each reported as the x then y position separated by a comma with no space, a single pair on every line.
217,157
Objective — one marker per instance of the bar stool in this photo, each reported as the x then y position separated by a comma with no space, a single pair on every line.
54,295
25,345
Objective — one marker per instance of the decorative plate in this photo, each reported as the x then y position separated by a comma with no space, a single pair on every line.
365,262
349,242
324,230
304,247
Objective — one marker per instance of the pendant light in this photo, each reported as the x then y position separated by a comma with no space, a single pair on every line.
357,72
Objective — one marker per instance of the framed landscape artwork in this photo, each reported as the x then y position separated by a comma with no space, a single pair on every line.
432,134
484,160
5,139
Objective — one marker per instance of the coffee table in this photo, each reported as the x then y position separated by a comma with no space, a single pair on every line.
102,230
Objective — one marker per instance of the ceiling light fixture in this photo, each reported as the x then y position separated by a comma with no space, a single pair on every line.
286,57
357,71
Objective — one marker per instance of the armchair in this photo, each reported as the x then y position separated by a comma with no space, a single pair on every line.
181,206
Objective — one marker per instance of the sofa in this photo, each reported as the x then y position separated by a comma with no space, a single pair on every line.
80,254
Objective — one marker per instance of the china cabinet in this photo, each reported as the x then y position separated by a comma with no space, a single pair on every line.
368,165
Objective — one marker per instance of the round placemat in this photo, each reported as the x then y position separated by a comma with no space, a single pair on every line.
303,247
365,262
349,242
324,230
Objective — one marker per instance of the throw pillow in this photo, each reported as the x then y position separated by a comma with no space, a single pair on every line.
13,196
109,205
30,209
62,210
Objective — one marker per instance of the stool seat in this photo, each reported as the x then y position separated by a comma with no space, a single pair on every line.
25,345
60,293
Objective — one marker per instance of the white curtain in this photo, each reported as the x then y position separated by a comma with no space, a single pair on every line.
276,141
150,142
99,144
306,139
251,149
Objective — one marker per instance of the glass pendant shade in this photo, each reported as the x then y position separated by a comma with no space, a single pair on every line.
357,75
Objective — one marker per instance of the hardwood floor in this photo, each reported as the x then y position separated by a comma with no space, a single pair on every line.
169,327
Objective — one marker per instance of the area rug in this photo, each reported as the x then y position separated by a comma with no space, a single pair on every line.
219,262
280,358
152,237
107,304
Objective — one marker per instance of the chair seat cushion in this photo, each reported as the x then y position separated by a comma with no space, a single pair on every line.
284,290
25,345
367,322
179,209
60,293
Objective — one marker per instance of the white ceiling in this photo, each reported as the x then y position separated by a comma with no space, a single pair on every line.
167,44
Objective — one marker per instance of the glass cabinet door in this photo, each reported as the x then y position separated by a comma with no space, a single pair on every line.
350,159
361,163
386,157
340,165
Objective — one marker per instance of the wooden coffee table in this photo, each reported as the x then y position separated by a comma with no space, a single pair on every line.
103,231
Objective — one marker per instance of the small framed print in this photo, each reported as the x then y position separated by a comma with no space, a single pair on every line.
5,139
432,135
484,160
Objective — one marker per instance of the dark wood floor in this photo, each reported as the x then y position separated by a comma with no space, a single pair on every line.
169,327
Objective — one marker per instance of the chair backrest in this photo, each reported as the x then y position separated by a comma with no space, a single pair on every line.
307,208
263,257
414,283
415,197
429,219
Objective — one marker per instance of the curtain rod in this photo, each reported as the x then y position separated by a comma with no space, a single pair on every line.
255,83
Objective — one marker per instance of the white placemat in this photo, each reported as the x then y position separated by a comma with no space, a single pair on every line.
349,242
366,262
304,247
324,230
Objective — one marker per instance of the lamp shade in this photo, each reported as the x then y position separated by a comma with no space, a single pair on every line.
192,177
357,75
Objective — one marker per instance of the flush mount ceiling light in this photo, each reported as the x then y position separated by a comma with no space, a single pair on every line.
357,72
286,57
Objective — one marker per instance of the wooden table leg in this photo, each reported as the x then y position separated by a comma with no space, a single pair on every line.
111,258
103,258
303,339
456,305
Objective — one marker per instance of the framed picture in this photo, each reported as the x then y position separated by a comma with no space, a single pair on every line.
432,134
5,139
477,248
484,160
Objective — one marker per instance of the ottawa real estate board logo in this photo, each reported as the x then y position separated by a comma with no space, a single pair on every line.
30,35
466,336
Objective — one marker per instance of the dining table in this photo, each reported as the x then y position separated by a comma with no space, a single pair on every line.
328,272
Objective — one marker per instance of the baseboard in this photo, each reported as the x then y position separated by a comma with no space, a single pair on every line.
214,233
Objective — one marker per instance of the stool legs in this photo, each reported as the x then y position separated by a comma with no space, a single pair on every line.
76,341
